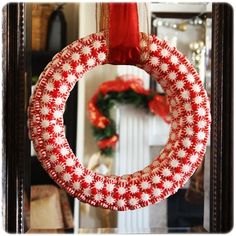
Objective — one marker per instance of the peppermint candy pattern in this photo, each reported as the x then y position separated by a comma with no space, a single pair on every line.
184,151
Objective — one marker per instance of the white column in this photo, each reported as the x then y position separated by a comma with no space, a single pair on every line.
132,154
132,151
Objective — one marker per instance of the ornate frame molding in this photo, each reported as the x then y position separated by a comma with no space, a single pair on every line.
221,202
16,149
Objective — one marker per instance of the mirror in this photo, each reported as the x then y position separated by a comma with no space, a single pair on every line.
141,135
43,207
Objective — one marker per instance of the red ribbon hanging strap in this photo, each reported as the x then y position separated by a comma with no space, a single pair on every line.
124,34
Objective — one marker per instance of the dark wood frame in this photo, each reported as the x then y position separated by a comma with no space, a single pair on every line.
16,149
16,146
221,202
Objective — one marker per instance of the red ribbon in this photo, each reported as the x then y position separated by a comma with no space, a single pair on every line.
160,107
124,35
108,142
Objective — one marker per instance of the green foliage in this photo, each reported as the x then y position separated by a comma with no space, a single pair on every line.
107,151
34,79
108,132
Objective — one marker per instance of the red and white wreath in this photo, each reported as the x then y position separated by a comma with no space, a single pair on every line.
169,171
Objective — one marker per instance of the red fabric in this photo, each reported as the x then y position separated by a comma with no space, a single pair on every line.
123,34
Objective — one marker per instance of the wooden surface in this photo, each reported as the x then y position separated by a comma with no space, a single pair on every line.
16,168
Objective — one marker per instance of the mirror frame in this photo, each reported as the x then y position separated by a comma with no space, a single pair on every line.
221,175
16,92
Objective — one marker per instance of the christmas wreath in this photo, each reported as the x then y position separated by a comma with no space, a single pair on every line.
124,90
190,121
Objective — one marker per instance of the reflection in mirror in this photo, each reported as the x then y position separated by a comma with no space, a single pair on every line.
141,135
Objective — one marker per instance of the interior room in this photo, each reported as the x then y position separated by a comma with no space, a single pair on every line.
117,119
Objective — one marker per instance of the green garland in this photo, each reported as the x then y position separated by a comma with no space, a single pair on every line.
107,101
